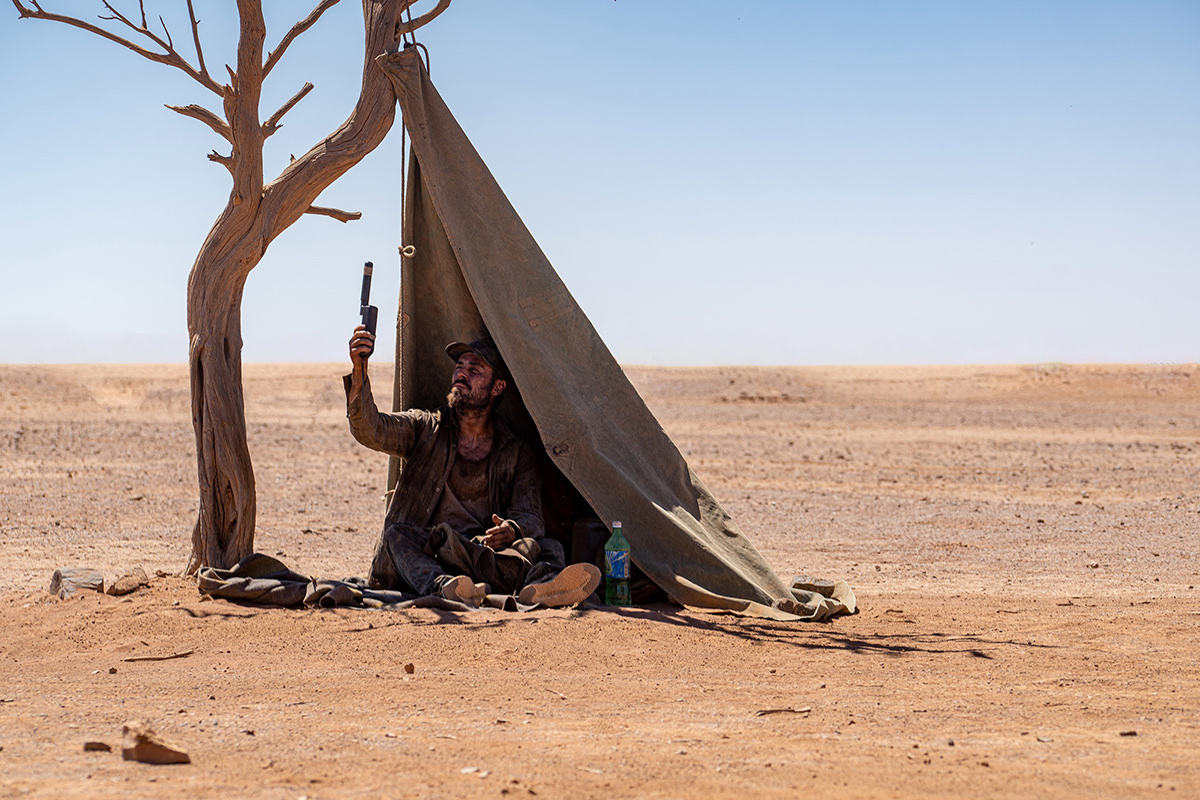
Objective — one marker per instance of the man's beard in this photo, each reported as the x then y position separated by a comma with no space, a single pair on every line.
467,400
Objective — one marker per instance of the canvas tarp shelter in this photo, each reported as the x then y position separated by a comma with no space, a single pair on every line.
476,269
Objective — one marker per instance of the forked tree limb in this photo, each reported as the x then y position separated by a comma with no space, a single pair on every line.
289,196
170,58
423,20
209,118
144,28
297,29
336,213
272,125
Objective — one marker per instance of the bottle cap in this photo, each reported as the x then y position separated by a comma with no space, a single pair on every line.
616,524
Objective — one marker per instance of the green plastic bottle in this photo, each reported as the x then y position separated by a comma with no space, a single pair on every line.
616,568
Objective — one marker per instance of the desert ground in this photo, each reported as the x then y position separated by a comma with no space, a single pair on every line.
1022,541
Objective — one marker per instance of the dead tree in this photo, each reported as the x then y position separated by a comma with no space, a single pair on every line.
256,212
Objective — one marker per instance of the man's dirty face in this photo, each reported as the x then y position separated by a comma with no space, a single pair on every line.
472,385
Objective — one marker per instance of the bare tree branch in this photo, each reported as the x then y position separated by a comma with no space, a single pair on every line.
163,22
207,117
144,30
272,124
424,19
170,58
336,213
225,161
297,29
296,189
196,38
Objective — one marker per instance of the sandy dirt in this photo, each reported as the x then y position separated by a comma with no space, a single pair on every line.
1022,540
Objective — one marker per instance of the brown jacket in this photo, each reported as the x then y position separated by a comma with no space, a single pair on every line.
428,441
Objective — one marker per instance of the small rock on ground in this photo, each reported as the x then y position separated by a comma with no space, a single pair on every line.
129,582
67,580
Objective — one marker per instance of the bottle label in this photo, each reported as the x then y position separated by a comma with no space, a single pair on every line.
616,564
620,594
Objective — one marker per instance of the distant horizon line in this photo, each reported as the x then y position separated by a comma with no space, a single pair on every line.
1195,364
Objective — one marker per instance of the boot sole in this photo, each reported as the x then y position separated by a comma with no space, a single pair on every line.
573,585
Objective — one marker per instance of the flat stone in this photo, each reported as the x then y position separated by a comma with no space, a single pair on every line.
66,580
129,582
97,747
143,744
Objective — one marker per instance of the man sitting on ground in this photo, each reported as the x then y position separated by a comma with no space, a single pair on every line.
466,516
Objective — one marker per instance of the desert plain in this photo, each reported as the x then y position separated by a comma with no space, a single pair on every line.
1022,540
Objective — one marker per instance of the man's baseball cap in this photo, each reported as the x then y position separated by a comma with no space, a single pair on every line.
485,348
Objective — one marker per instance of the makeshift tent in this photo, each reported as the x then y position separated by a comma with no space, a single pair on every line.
476,269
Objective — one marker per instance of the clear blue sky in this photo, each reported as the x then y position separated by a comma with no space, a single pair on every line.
757,182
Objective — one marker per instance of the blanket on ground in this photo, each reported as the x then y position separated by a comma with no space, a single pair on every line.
262,580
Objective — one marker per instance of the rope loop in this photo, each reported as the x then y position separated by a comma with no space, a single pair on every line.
408,251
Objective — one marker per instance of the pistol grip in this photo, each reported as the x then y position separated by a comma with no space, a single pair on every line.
370,317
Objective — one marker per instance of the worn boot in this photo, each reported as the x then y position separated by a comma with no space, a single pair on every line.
572,585
462,589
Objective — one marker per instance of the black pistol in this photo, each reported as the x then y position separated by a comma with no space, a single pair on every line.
370,314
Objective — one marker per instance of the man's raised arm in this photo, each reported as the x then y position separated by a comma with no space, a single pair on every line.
390,433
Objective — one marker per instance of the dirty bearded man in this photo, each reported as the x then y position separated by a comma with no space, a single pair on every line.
465,521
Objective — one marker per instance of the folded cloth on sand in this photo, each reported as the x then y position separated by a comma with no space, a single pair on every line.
263,580
821,599
257,578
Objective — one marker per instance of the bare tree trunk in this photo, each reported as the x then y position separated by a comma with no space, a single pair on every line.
224,529
255,215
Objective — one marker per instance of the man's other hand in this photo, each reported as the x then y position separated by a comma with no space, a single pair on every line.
501,536
362,344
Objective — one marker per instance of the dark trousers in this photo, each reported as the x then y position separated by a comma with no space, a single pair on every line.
419,560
